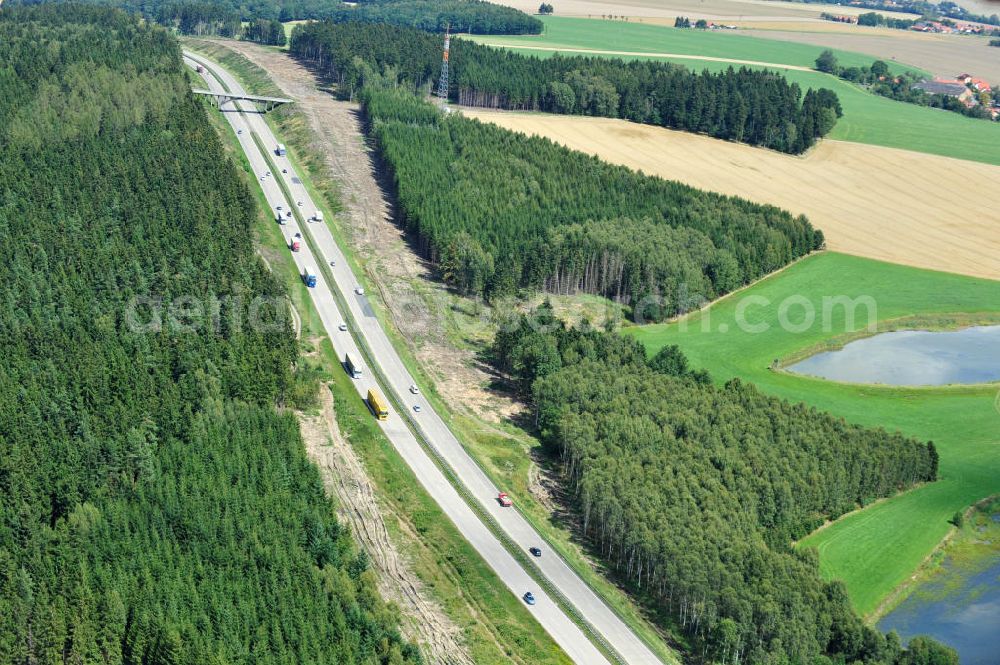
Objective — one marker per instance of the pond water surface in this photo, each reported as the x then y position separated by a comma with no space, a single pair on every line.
912,358
966,618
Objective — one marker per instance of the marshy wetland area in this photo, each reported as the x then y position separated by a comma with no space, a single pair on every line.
956,598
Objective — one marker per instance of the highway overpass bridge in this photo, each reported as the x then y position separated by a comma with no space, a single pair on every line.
263,104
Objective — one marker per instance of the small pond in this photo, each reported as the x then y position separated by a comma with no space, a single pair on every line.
962,611
912,358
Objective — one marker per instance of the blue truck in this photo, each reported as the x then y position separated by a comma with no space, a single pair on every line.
309,276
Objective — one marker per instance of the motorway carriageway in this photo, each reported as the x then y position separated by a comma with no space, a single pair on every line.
574,591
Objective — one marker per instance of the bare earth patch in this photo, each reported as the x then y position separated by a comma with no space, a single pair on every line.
420,305
882,203
344,477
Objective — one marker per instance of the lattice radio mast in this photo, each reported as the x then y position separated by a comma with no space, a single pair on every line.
442,90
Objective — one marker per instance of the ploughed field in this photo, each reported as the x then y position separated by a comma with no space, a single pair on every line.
881,203
943,55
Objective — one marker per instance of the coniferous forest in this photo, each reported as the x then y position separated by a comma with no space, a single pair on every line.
223,17
694,493
155,506
469,16
498,211
750,106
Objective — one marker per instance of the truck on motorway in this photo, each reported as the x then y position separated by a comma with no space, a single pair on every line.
504,499
280,216
318,215
377,404
296,242
352,367
280,151
309,276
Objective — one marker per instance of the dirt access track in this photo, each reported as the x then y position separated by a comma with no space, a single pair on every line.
882,203
344,477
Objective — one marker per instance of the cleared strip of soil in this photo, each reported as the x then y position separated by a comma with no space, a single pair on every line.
344,477
882,203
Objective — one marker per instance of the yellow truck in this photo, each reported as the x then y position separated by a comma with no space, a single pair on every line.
377,404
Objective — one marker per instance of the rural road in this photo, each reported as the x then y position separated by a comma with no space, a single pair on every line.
574,591
648,54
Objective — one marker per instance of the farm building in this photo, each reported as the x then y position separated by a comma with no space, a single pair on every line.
949,88
979,84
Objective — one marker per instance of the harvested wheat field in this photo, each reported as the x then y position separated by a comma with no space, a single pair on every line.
942,55
882,203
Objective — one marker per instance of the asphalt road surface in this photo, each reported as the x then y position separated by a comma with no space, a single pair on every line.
601,619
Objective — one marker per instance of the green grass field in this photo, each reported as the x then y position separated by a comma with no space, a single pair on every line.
876,549
867,118
633,36
881,121
289,26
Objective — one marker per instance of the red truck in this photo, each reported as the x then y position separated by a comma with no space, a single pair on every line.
296,242
504,500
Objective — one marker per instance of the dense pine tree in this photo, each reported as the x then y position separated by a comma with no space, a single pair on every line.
694,493
498,210
758,107
222,17
155,507
265,31
468,16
